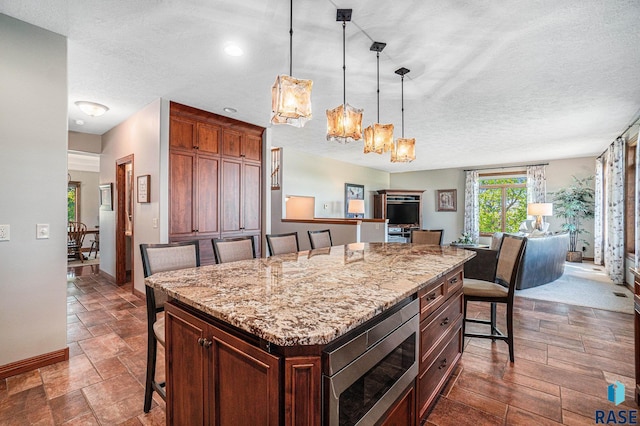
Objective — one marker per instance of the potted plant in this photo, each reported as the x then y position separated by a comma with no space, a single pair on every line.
575,203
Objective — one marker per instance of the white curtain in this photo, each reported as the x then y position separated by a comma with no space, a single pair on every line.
598,218
536,184
614,247
471,207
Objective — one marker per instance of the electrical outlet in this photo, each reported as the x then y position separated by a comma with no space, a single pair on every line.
4,232
326,206
154,222
42,231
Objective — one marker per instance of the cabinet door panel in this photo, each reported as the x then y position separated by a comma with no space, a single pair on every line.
187,370
252,148
251,197
230,188
208,138
207,194
181,193
181,133
231,143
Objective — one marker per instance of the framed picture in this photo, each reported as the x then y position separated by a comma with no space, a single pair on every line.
446,200
353,191
106,196
144,183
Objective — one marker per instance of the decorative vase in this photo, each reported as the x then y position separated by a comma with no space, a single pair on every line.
574,256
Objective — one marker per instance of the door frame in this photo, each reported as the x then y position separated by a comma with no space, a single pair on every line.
121,221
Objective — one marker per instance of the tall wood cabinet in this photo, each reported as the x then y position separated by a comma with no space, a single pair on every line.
215,178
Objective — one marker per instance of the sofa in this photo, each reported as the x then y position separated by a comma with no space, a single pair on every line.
542,261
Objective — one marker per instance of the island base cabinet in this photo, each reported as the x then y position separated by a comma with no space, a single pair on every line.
215,378
403,413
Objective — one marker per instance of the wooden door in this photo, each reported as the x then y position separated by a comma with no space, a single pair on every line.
231,143
251,195
245,382
252,147
207,195
188,374
181,192
208,138
181,133
230,188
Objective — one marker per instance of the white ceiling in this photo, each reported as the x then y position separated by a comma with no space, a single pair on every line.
491,82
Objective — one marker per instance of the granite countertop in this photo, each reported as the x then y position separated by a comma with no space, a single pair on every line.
311,297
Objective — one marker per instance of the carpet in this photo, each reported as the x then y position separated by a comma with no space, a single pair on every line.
584,284
87,262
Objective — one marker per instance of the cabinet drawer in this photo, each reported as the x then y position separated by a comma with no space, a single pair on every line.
454,280
439,327
431,298
432,380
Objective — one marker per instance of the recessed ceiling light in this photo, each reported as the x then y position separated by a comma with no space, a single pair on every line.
91,108
229,109
233,50
80,122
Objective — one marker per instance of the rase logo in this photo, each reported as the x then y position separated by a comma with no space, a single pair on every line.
615,394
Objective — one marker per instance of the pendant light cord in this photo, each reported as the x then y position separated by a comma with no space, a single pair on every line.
402,102
344,66
378,88
291,39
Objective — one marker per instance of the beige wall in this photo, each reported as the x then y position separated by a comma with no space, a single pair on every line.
139,135
85,142
33,182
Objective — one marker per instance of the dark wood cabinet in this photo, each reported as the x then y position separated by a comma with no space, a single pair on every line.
216,378
403,413
215,178
441,340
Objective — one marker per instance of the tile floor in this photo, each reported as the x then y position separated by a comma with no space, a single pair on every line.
565,358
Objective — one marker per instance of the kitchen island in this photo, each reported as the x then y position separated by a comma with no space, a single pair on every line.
246,342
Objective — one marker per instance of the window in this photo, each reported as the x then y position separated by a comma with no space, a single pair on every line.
73,201
502,203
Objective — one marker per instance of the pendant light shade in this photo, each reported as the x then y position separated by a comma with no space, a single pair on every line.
344,123
378,137
291,97
404,150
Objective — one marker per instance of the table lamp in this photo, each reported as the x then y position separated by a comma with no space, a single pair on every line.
539,210
356,207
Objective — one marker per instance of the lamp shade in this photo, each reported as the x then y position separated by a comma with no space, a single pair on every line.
356,206
291,101
540,209
404,151
378,138
344,124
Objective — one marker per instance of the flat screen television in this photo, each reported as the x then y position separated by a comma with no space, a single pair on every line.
403,214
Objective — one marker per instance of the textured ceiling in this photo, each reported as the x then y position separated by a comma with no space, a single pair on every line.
490,82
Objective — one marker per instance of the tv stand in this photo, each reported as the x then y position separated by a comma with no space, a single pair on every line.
403,209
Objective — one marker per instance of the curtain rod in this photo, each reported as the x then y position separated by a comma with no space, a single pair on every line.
633,123
507,167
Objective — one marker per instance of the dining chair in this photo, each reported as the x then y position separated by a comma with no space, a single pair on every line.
282,243
76,232
427,236
159,258
500,290
233,249
320,239
95,245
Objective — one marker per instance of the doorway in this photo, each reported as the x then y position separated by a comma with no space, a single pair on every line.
124,220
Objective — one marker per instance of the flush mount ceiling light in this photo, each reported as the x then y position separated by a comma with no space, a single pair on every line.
344,123
233,50
404,150
378,137
230,110
91,108
291,97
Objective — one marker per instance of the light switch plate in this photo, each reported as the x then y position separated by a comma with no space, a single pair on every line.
42,231
4,232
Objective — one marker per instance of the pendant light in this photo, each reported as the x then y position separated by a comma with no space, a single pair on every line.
378,137
344,123
404,150
291,97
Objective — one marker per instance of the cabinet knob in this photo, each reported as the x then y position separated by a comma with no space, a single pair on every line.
431,296
201,341
443,364
207,343
196,147
445,321
453,280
